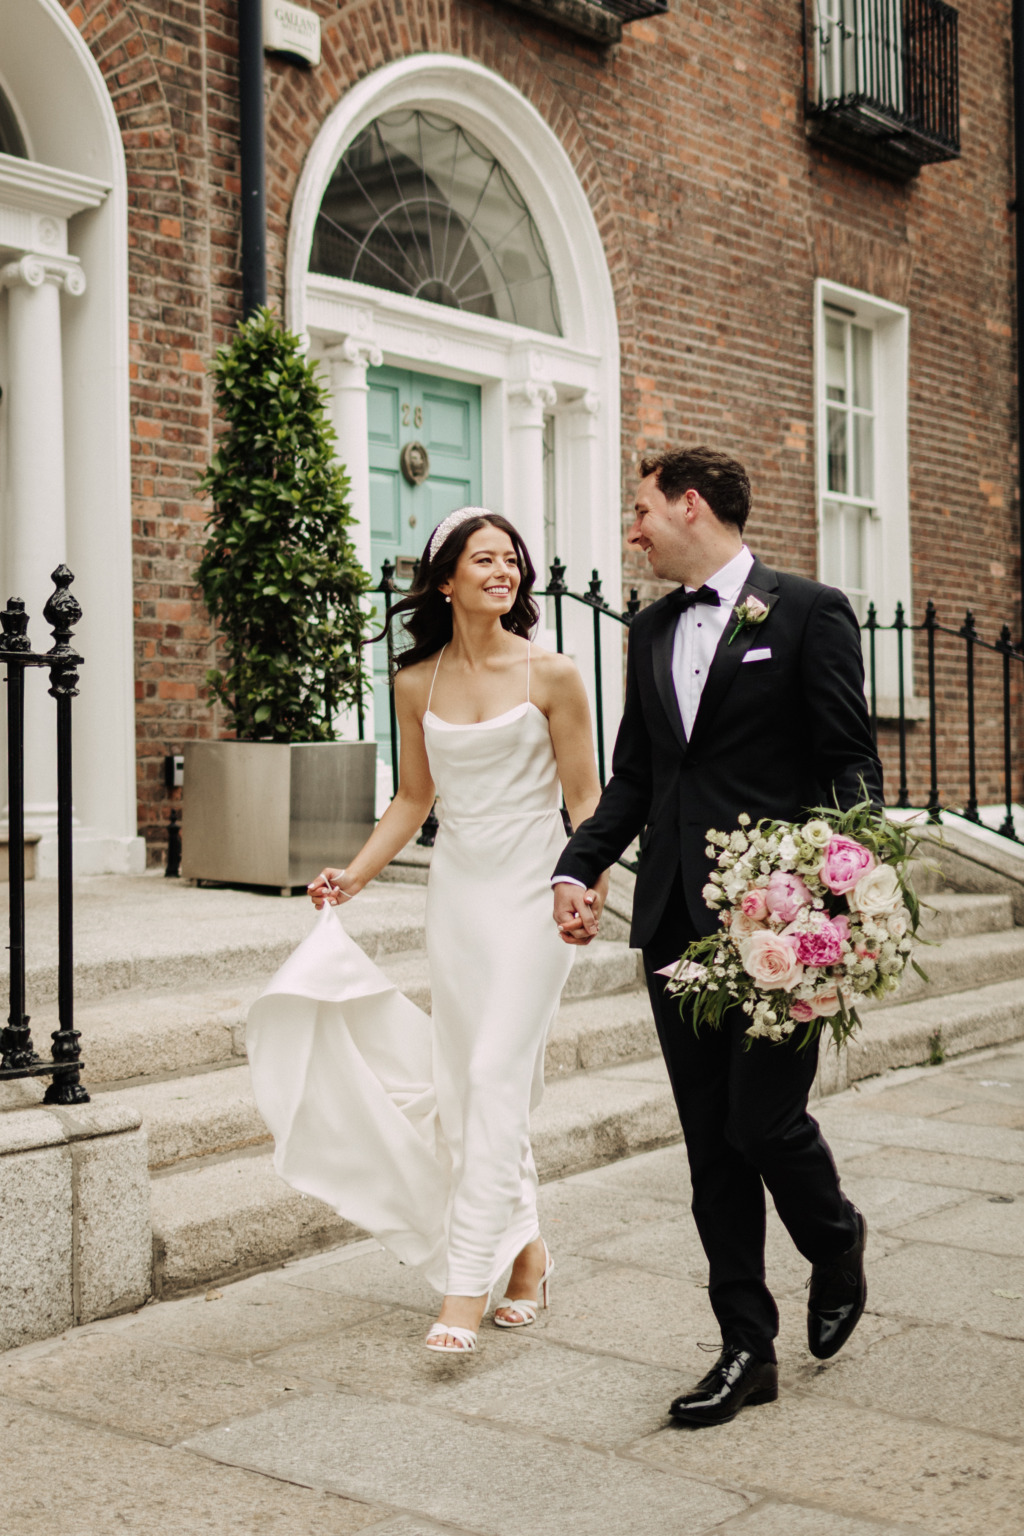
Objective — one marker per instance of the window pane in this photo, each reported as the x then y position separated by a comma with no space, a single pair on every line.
831,552
835,359
837,453
862,392
417,205
853,549
863,455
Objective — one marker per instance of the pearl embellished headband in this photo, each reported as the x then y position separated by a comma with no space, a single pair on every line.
451,522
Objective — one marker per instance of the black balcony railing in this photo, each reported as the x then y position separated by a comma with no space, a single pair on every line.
882,80
962,752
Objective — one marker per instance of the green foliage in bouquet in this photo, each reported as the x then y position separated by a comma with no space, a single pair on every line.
279,572
778,958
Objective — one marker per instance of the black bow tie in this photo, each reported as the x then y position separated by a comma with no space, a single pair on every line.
679,600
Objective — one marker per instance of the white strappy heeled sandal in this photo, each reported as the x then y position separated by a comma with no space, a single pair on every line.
465,1337
526,1309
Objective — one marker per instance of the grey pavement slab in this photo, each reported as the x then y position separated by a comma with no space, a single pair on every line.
661,1175
66,1479
124,1380
255,1317
477,1479
769,1518
986,1224
861,1461
965,1380
937,1169
990,1112
926,1282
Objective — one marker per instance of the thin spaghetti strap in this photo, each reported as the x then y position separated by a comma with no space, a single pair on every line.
433,680
529,649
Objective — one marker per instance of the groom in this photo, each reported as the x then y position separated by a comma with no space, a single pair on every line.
723,717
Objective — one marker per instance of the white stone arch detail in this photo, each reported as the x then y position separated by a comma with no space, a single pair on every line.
523,373
63,103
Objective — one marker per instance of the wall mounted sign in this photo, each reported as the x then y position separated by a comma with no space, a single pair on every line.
292,30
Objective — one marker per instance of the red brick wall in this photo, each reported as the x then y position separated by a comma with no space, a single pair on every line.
716,213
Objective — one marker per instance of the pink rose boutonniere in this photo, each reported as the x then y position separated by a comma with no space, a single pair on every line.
748,613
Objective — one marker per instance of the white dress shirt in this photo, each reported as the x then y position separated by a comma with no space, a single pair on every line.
698,632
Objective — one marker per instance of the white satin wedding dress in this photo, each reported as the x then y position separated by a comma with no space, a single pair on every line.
416,1127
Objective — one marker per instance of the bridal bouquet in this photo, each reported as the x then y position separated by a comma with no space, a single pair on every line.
814,915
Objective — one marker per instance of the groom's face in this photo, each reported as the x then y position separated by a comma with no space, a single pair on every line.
661,529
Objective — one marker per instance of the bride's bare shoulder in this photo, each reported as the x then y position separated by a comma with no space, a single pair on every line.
414,681
553,671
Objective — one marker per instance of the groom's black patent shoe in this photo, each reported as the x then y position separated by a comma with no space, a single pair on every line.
735,1381
839,1292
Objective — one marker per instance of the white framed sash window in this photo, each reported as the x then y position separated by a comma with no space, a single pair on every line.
861,360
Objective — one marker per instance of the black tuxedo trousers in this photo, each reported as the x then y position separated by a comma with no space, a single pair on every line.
743,1109
774,736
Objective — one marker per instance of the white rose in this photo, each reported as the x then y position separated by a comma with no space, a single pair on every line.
898,922
877,893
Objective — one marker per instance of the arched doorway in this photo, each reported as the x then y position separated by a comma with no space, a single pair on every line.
65,489
439,232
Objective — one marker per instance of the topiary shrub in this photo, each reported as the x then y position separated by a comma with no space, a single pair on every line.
279,572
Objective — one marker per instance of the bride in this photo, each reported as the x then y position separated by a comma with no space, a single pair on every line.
419,1129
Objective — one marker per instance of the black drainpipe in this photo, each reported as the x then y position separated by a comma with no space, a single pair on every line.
1018,208
252,155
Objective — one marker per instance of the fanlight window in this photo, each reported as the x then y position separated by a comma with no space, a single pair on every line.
417,205
11,139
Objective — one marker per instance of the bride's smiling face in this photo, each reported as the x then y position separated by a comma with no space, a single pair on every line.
487,575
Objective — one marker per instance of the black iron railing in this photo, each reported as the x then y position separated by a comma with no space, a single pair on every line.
963,650
18,1057
966,713
882,79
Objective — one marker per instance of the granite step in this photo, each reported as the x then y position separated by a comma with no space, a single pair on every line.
951,915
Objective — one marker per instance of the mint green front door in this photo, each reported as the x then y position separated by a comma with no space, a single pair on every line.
444,418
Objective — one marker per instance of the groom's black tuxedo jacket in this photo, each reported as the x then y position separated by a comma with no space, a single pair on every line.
772,737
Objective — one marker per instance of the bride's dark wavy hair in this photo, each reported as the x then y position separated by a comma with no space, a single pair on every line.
427,618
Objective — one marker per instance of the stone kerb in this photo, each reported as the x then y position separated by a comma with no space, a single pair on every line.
75,1230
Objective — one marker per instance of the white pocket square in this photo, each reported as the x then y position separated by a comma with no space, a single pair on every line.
763,653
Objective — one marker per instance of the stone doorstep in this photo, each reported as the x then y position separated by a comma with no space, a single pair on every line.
135,1034
74,1213
956,915
217,1220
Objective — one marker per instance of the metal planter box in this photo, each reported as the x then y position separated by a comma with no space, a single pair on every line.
267,813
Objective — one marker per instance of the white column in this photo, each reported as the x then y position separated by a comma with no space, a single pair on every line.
347,364
524,476
37,531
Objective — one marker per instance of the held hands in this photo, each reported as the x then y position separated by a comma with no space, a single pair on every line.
327,887
578,911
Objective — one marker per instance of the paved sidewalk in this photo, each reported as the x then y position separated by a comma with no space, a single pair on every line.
301,1402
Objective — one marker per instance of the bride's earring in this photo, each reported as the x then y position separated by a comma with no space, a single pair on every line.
447,598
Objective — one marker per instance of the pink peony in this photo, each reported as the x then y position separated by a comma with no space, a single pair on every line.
841,924
822,947
843,863
755,904
801,1011
786,896
770,958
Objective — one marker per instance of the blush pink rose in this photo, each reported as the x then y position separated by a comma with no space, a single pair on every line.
825,1002
770,958
843,863
841,924
742,926
786,896
755,904
801,1011
822,947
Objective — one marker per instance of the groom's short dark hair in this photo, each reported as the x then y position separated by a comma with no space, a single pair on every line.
721,481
